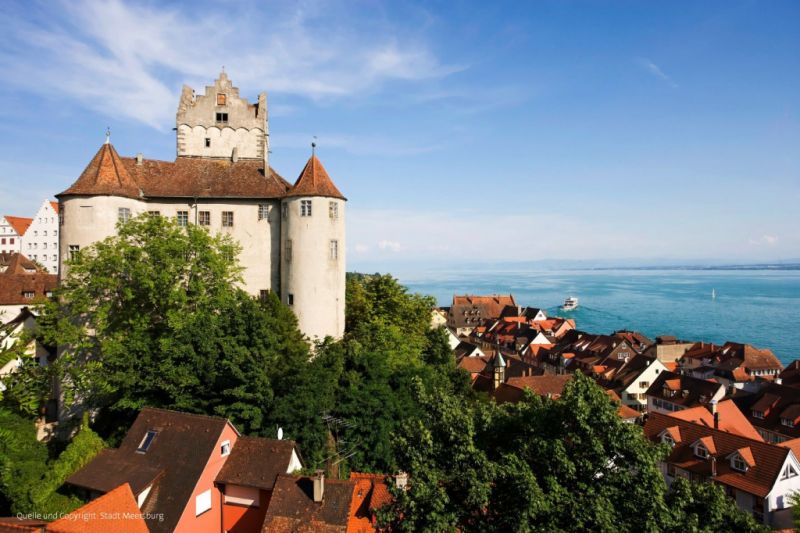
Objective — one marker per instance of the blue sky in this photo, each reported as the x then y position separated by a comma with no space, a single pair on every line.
460,131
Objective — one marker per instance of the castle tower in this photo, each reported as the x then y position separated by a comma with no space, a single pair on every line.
313,252
221,125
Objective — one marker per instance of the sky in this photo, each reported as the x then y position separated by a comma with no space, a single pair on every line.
459,131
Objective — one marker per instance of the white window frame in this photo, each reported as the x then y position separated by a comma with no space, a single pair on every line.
305,208
738,463
225,448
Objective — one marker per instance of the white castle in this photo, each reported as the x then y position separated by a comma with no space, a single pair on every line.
292,236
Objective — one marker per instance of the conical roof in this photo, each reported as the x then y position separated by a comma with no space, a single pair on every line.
105,174
314,181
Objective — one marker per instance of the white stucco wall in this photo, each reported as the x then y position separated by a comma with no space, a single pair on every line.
9,234
315,282
40,241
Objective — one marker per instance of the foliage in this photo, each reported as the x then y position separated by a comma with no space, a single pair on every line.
29,480
153,317
704,507
556,465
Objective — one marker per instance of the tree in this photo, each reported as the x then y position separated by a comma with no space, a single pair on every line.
541,464
153,317
704,507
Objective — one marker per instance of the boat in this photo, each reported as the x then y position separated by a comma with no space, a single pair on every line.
713,294
569,304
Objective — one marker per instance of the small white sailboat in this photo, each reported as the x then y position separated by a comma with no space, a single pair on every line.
713,294
570,303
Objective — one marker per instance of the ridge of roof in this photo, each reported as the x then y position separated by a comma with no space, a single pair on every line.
314,181
105,175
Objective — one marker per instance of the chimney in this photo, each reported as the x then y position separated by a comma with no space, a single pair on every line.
139,158
235,154
319,485
715,413
401,480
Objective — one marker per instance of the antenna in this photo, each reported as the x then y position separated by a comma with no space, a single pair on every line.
108,134
314,146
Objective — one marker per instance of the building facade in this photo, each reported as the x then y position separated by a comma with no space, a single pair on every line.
40,241
292,236
11,231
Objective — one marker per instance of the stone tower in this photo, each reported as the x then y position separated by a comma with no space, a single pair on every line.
221,125
313,252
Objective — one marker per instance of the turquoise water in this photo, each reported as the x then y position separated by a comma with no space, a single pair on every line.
759,307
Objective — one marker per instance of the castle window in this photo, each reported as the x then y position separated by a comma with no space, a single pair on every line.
263,211
73,251
305,208
288,250
183,218
208,142
333,210
204,218
334,250
154,213
227,219
123,214
221,99
290,299
222,117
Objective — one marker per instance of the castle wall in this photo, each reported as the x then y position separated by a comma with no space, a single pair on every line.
91,219
312,282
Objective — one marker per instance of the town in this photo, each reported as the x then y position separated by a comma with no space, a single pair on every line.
183,348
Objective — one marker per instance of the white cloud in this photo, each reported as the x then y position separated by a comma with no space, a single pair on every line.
392,246
764,240
656,71
116,56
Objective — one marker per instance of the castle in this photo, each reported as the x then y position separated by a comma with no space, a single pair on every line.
292,235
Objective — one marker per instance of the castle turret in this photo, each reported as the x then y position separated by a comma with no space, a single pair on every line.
313,252
104,194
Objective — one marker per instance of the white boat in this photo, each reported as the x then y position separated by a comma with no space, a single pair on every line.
713,294
569,304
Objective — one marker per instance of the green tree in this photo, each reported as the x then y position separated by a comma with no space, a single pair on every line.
705,508
153,317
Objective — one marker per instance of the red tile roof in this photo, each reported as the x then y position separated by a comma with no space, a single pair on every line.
758,480
110,174
256,462
115,511
54,205
731,419
20,224
547,385
314,181
106,175
22,277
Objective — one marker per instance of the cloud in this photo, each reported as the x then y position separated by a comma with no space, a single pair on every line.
764,240
121,57
392,246
656,71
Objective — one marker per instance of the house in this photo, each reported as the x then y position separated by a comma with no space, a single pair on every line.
674,392
22,284
790,375
11,231
467,349
633,379
40,241
759,476
468,310
171,461
735,365
636,340
310,504
724,415
114,512
438,318
774,411
247,479
668,348
11,333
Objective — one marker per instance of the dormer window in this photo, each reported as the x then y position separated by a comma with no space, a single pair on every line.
758,414
787,422
147,441
739,464
701,451
225,448
28,295
666,438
